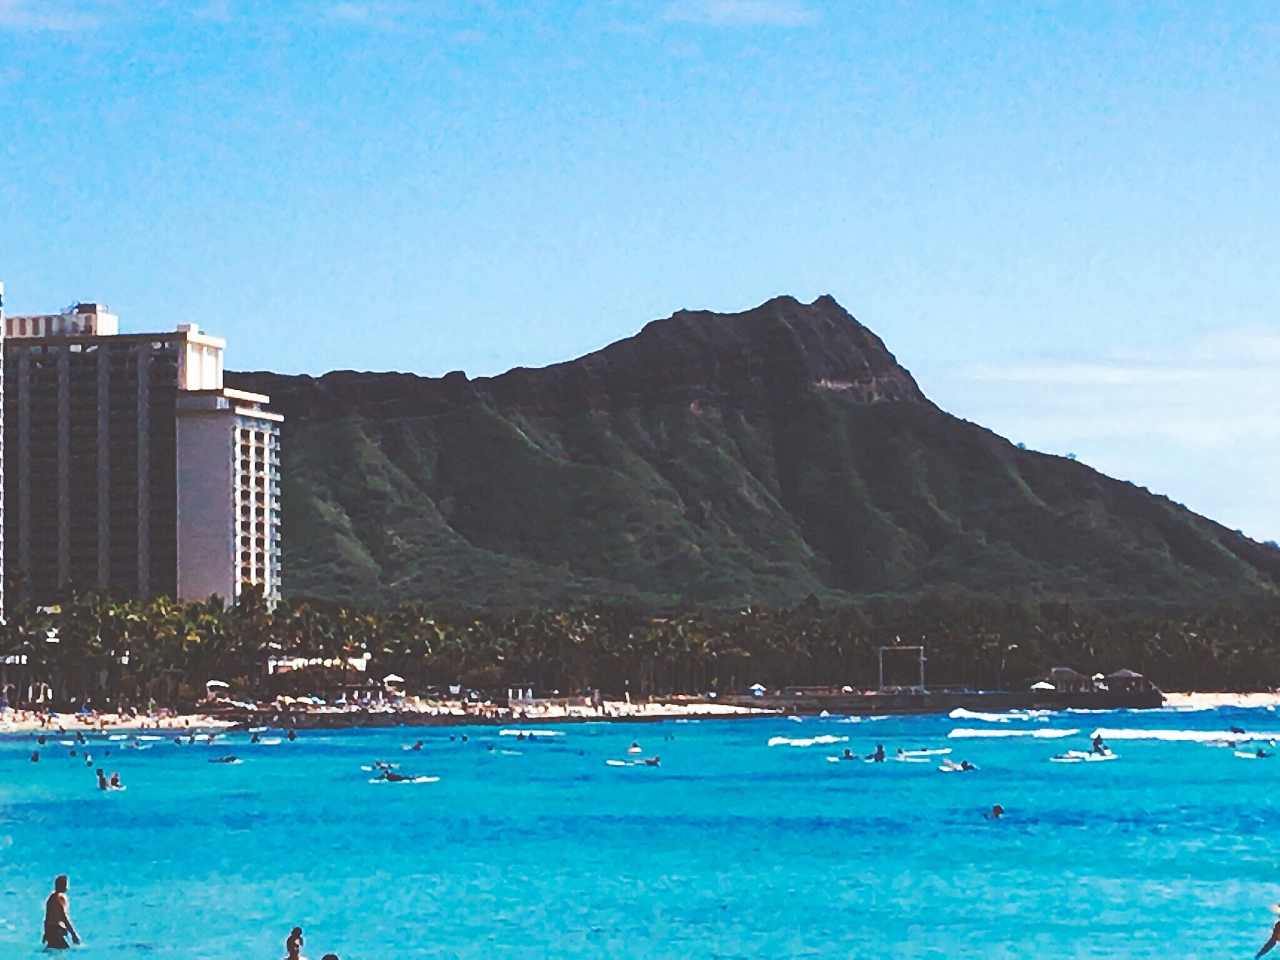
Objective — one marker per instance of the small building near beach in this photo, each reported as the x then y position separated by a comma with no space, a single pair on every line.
1066,680
1128,681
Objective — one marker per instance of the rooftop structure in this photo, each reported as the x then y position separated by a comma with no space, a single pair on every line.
83,319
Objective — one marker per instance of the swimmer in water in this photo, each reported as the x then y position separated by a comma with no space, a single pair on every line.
254,739
653,761
114,783
996,813
417,746
848,755
57,917
1274,939
292,736
227,759
102,780
293,946
35,756
1262,754
878,756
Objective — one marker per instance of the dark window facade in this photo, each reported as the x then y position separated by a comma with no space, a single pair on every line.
90,476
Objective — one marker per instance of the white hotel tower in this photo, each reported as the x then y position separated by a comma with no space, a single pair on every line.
130,467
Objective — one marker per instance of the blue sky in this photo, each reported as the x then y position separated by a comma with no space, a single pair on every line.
1063,218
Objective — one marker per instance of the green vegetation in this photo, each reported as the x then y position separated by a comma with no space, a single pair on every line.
720,500
136,654
683,507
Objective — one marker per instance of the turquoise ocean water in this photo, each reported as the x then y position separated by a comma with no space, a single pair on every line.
732,848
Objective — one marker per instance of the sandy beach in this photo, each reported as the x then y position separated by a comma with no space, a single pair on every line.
408,711
24,721
413,709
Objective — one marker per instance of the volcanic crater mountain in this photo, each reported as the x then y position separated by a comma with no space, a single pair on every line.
709,460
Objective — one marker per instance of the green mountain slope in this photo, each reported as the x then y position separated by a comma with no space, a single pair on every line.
711,459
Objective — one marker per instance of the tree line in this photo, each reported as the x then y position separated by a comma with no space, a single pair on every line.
132,653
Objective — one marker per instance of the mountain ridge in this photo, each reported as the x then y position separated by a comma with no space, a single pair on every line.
711,459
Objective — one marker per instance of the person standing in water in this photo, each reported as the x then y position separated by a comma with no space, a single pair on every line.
57,917
1275,938
293,946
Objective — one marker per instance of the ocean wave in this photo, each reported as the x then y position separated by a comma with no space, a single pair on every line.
1182,736
805,741
960,713
965,733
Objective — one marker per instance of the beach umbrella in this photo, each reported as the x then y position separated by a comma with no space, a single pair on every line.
1042,685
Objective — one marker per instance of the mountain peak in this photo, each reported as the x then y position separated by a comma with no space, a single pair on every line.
711,459
770,353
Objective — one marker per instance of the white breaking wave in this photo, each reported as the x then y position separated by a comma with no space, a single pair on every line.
804,742
1183,736
960,713
965,733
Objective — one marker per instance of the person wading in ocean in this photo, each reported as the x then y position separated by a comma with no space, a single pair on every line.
1275,938
57,920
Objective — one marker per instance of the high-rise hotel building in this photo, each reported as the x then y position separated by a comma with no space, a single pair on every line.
130,467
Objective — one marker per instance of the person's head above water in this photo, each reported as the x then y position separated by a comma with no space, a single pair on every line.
60,883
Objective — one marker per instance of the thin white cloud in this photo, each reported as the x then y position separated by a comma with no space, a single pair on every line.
1197,420
743,13
42,15
215,11
355,12
1085,373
